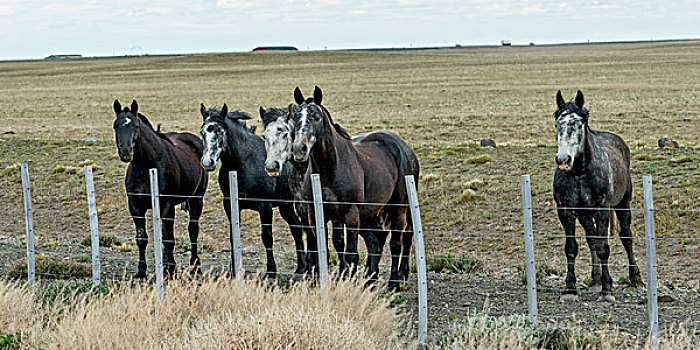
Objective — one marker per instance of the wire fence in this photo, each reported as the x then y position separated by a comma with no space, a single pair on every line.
443,286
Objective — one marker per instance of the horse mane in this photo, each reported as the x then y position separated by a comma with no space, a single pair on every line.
571,107
338,129
156,132
272,114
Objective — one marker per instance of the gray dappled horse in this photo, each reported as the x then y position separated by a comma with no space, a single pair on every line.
592,173
226,137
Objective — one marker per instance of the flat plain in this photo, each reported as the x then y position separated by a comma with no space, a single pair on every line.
441,101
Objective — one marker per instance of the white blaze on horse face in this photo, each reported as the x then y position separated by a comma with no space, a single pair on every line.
127,122
570,131
278,146
212,139
305,139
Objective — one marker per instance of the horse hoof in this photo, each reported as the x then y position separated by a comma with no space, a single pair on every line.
568,298
607,298
596,288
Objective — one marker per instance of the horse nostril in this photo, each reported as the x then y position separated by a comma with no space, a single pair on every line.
273,166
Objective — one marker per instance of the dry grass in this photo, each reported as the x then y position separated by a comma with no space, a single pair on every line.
482,332
211,314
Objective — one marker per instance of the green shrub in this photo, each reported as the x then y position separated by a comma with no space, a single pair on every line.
454,263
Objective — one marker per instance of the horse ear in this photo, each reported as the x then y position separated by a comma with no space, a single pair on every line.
579,99
560,99
298,97
135,107
203,110
318,95
261,111
117,106
224,111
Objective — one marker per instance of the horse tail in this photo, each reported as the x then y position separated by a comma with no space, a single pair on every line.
614,225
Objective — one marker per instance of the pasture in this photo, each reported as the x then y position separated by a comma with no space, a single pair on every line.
442,102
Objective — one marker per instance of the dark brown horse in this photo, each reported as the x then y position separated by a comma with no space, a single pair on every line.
362,179
181,179
592,183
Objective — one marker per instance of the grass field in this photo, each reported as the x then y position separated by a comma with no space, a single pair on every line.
441,101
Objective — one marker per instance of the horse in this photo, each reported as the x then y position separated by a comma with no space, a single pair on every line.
278,135
362,184
181,179
592,183
226,137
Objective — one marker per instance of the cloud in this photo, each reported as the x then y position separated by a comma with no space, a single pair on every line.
237,4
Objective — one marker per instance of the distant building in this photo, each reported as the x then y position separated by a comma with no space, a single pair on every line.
505,42
275,48
64,57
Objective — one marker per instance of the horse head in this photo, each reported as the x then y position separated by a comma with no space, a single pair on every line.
278,135
309,124
571,122
126,129
213,135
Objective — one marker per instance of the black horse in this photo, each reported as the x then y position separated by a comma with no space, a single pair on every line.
181,179
592,172
364,181
226,136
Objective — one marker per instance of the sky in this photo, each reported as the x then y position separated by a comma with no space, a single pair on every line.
35,29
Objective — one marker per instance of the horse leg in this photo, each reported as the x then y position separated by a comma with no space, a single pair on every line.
352,223
568,220
589,227
398,223
288,214
168,214
376,238
266,222
625,218
406,252
195,206
138,214
602,220
339,245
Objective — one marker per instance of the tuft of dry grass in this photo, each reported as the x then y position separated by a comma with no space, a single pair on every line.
209,314
517,332
467,196
484,158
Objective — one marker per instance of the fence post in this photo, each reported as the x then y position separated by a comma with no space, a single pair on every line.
320,230
29,212
157,231
650,233
529,249
94,227
236,255
414,206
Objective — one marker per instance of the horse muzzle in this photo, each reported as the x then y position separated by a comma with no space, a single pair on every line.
272,169
126,157
208,165
301,151
563,162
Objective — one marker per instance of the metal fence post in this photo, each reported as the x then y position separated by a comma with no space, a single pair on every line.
650,233
414,206
29,212
529,249
157,231
236,255
320,230
94,229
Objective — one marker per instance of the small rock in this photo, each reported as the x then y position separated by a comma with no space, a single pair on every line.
90,139
488,143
